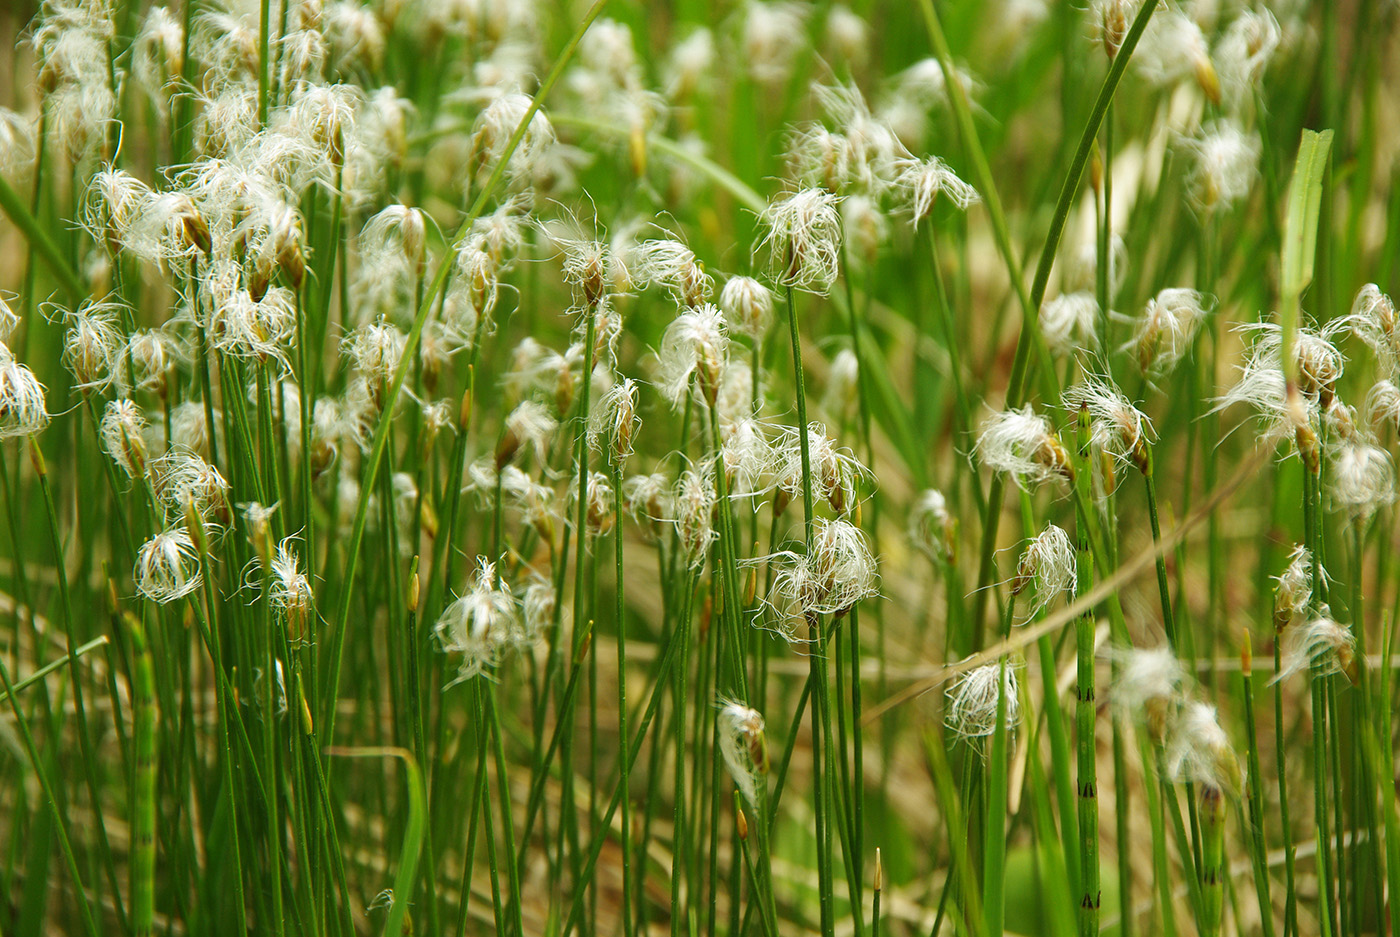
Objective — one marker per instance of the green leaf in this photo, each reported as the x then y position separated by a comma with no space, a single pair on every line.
1300,234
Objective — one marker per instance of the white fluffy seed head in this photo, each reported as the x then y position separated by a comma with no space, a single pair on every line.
690,64
291,589
497,123
695,344
836,474
847,34
773,34
839,572
529,424
1383,404
1147,685
614,421
375,351
598,512
8,320
1111,19
650,501
1069,323
673,266
1199,752
804,239
23,411
92,344
973,701
743,747
923,181
1294,587
747,306
693,509
1244,52
867,227
183,481
749,458
1021,444
842,381
1117,427
16,142
821,157
152,356
260,329
397,230
1227,160
480,625
1373,320
123,432
1163,335
1174,48
1363,478
1048,564
167,566
932,527
1322,647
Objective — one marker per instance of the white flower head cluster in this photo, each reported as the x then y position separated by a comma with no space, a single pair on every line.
749,458
671,265
1293,591
291,589
92,345
842,384
183,481
70,43
1243,53
495,126
123,431
613,422
598,505
693,508
1362,477
649,501
1383,403
1151,685
536,503
773,33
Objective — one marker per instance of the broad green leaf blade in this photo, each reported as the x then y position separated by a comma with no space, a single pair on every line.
1300,235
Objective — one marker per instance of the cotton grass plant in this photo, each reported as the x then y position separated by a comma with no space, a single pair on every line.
744,468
